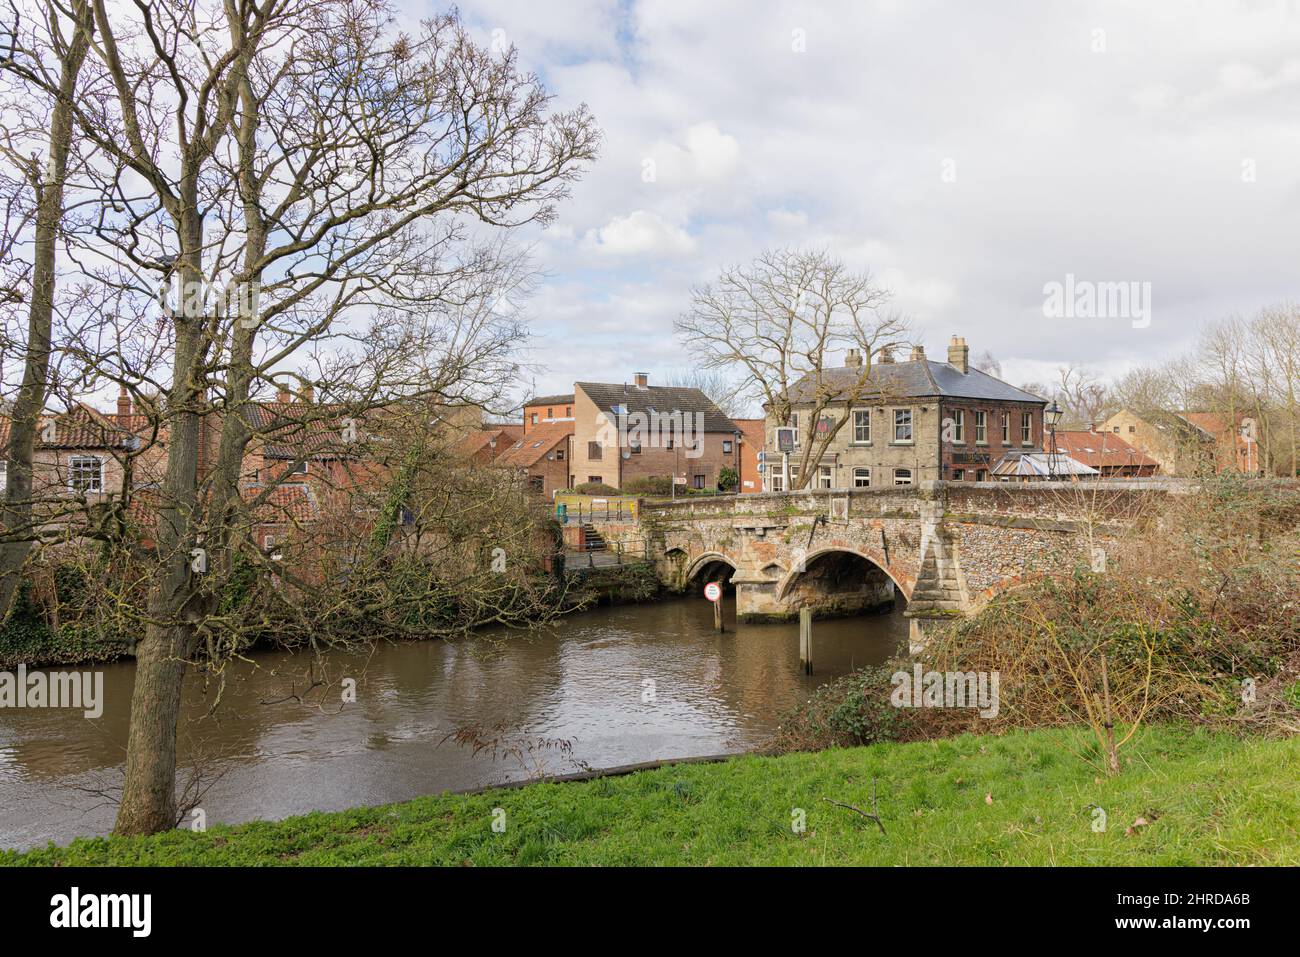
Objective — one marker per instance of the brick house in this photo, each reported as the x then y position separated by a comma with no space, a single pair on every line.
483,446
918,420
1180,446
752,433
543,456
546,409
684,434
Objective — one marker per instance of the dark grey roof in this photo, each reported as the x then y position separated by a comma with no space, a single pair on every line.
916,379
657,398
551,400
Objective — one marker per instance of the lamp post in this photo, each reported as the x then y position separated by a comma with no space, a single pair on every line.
1052,415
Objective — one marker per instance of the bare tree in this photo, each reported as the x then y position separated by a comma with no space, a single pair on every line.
779,320
720,387
286,169
1082,395
47,56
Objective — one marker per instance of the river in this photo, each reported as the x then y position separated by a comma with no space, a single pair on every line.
610,686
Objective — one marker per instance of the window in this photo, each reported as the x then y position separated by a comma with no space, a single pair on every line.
593,451
1131,428
534,418
697,481
982,475
559,454
669,444
536,483
1117,430
299,468
862,425
1006,428
902,425
981,428
550,413
595,478
958,475
1026,428
726,445
776,482
793,425
634,446
862,478
824,479
85,474
568,411
902,476
958,426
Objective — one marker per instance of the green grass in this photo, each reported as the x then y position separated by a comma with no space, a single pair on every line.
1210,799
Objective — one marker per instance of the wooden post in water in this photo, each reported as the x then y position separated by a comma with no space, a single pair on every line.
805,640
717,615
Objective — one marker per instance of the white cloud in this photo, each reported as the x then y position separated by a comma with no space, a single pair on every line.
640,233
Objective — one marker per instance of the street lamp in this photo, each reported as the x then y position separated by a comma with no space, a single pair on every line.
1051,416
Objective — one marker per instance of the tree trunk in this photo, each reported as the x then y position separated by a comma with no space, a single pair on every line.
15,517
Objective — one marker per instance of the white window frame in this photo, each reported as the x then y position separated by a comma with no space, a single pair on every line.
858,439
76,464
911,426
959,426
898,478
776,481
825,477
1026,428
726,446
981,427
1006,428
862,478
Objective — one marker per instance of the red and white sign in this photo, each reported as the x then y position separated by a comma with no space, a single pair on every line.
712,591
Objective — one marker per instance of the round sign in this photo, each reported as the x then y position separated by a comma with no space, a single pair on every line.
712,591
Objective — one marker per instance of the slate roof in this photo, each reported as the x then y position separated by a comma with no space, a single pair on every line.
656,398
1100,449
920,378
534,446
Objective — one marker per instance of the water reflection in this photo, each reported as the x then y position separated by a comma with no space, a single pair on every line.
625,684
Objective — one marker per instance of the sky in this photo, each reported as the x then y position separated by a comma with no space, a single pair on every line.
967,155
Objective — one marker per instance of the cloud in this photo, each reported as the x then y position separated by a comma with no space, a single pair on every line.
640,233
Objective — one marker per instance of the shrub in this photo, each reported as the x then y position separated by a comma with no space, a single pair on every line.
649,485
596,488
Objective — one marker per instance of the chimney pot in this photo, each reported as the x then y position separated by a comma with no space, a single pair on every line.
918,353
308,394
642,379
852,359
885,355
283,396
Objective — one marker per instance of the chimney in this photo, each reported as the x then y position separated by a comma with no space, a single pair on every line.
918,354
308,394
642,379
885,355
959,354
123,408
284,396
852,359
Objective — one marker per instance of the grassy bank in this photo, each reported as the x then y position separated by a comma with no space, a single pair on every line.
1208,799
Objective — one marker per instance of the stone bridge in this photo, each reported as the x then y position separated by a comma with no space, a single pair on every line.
945,547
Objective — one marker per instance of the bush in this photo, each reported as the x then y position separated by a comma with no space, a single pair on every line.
728,480
596,488
649,485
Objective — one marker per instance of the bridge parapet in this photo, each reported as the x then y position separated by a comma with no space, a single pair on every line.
946,547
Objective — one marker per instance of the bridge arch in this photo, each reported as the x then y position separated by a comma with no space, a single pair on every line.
794,574
704,561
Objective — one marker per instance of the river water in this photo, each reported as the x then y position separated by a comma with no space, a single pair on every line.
602,688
